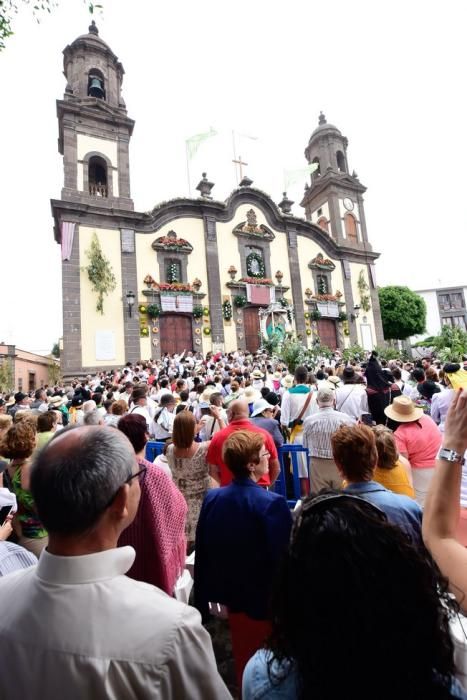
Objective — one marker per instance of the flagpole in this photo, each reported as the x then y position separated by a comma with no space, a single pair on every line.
188,169
235,154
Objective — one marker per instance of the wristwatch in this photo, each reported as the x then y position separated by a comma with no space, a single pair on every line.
450,455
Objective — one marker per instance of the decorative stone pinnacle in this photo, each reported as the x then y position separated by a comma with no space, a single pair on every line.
286,204
245,181
322,119
204,187
93,29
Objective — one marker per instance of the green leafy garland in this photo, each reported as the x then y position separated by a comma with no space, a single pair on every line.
262,270
100,273
285,305
227,312
197,311
239,300
153,310
363,288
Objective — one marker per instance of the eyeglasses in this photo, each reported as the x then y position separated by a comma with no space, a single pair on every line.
127,481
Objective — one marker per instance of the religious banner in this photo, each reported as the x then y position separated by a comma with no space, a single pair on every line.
168,302
329,309
184,302
68,232
260,294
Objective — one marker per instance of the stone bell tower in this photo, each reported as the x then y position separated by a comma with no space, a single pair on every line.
334,200
94,129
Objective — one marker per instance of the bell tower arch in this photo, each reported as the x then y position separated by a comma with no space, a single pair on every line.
94,129
334,199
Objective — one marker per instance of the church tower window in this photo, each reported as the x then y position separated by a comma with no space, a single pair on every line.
98,184
341,162
350,228
96,84
318,170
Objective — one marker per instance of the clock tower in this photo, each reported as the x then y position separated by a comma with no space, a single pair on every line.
334,200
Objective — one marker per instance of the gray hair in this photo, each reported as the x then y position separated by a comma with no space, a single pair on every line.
74,485
89,406
92,418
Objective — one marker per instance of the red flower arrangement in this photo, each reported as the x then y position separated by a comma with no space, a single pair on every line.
174,287
325,297
257,280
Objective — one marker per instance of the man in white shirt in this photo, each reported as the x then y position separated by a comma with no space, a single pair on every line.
351,397
139,404
75,626
317,432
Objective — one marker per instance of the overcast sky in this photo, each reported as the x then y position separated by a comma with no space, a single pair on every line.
391,77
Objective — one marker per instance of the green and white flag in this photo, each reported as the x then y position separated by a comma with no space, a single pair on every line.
291,176
194,142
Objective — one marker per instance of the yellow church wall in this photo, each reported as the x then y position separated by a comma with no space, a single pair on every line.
145,348
230,336
355,269
92,321
307,250
86,144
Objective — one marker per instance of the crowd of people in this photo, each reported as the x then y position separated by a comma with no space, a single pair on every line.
101,540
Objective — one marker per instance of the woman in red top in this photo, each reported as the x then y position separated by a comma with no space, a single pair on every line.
418,438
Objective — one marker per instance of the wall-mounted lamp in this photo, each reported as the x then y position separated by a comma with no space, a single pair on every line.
356,312
130,300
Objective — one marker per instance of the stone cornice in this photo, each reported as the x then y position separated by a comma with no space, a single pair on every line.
95,109
183,207
341,181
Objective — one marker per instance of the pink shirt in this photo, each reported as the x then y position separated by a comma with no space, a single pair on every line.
420,441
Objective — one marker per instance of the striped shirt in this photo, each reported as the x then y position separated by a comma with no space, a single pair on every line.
14,557
317,430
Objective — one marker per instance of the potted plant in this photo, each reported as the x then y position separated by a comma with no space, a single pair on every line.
153,310
197,311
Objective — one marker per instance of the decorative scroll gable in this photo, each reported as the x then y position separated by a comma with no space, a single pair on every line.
321,263
252,229
172,244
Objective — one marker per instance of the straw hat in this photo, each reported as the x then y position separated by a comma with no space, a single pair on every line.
56,400
206,395
403,410
257,374
251,394
288,381
277,375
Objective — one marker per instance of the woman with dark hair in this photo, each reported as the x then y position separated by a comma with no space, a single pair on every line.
158,531
358,612
380,389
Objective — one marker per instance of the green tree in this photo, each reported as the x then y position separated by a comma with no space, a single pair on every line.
403,312
450,345
56,350
6,375
9,8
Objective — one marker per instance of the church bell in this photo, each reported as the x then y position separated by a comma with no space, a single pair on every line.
95,88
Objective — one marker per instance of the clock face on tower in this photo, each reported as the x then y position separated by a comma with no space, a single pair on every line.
348,204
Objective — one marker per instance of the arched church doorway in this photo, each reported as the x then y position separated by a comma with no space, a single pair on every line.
175,333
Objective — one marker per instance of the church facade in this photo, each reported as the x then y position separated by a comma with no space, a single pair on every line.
197,273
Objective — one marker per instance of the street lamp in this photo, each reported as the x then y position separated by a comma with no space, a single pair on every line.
356,312
130,300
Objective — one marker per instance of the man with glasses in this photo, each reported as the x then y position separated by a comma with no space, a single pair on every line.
75,625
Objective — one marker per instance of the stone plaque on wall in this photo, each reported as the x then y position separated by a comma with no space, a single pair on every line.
128,240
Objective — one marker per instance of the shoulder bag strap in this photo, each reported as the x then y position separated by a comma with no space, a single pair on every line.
304,407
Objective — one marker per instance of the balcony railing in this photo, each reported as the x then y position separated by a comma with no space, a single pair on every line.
98,190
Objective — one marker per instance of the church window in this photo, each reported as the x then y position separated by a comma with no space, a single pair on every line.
98,177
255,263
341,162
173,271
96,84
350,224
322,284
318,170
323,223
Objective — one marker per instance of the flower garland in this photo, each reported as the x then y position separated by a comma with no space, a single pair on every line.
227,311
197,311
363,288
172,273
257,280
255,257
